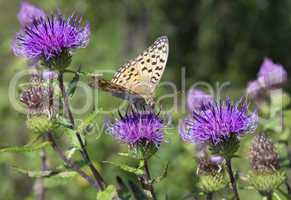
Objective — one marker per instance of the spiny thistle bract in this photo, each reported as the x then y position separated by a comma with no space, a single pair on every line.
40,124
141,130
212,177
51,40
265,175
39,98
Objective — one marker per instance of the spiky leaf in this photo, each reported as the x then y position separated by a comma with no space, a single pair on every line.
31,148
127,168
108,194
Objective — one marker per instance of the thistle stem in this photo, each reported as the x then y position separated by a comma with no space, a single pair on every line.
147,177
40,189
209,196
84,152
289,159
70,163
232,179
269,196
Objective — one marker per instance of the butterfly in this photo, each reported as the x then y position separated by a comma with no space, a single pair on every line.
137,79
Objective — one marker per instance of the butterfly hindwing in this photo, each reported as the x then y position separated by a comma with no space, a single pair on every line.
114,89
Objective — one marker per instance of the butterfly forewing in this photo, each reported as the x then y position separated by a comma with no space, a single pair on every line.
138,77
142,74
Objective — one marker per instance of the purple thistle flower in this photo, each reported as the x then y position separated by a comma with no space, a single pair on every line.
216,159
254,88
216,122
49,75
28,13
271,74
51,40
196,98
138,127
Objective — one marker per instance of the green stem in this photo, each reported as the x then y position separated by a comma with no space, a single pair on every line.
147,177
209,196
84,152
70,163
232,179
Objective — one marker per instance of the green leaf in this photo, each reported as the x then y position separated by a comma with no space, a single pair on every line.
74,82
163,175
62,178
75,144
64,122
108,194
31,148
35,174
285,135
141,164
87,121
136,171
71,152
137,192
283,193
277,196
124,154
123,191
273,124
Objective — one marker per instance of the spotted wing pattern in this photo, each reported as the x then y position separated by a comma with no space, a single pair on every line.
141,75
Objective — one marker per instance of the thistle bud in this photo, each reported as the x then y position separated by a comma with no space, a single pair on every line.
39,97
211,174
263,157
212,183
265,175
41,104
40,124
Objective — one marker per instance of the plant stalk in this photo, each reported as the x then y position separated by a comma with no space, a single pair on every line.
232,179
209,196
39,187
70,163
84,152
269,196
147,177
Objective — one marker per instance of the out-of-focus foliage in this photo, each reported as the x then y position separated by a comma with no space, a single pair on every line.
213,40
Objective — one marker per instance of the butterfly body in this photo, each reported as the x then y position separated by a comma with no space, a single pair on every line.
137,79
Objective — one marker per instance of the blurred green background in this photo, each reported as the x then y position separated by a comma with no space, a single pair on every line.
214,40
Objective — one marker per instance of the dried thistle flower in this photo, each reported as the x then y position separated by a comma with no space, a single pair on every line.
263,157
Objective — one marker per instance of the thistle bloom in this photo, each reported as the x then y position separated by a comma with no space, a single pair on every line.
253,88
138,127
49,75
51,40
271,74
28,13
216,122
196,98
